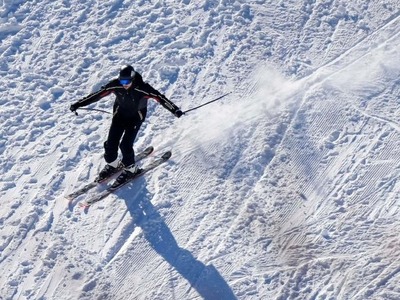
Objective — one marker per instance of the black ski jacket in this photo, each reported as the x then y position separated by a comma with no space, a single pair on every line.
129,103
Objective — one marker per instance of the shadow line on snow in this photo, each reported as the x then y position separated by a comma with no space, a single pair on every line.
205,279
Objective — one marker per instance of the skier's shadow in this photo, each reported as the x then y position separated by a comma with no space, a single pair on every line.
205,279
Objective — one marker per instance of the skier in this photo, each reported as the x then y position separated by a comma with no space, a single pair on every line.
129,112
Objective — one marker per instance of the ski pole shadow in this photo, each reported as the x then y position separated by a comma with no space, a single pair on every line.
205,279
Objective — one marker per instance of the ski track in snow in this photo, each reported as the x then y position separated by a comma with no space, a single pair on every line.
287,189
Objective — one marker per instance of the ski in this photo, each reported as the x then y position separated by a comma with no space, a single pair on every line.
143,171
146,152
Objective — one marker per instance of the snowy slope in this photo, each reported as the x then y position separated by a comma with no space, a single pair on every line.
285,189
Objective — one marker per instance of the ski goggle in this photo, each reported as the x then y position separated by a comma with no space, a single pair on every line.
125,81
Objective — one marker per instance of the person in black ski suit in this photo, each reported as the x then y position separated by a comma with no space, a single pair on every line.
129,112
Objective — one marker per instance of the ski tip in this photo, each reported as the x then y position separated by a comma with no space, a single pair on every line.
84,205
166,155
148,150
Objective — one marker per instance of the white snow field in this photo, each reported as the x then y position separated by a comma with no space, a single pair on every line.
287,188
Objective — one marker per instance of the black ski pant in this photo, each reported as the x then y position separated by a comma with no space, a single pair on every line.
122,134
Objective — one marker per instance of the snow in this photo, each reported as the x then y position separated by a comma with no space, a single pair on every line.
288,188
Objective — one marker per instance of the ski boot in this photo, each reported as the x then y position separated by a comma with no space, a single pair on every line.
109,170
126,175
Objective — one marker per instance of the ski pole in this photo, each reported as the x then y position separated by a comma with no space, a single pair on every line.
204,104
94,109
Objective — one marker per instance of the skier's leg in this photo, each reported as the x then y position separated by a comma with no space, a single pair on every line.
126,146
113,139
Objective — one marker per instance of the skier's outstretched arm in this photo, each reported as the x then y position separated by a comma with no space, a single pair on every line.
168,104
92,98
160,98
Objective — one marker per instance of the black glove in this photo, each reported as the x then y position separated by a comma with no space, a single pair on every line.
74,107
178,113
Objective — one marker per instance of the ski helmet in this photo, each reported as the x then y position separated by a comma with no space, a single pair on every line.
126,72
